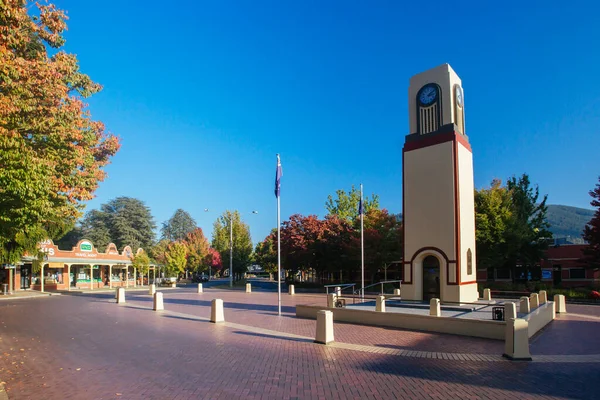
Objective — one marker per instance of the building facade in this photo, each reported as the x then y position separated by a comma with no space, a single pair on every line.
82,267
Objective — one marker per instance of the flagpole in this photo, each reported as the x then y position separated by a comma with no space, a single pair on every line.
278,174
278,259
362,245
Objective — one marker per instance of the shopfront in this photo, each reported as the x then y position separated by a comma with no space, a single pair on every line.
82,267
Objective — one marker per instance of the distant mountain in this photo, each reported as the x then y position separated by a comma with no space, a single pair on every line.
568,221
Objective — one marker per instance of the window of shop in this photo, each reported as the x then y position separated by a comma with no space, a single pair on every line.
577,273
503,273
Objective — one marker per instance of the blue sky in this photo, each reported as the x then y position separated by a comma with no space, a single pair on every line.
204,94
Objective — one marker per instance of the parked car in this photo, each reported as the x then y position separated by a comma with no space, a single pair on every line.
200,278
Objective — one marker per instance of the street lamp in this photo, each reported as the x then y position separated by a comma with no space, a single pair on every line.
231,246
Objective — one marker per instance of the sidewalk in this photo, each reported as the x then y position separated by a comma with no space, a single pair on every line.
112,290
27,294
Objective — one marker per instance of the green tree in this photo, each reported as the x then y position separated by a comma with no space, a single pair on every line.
242,241
265,253
591,232
512,231
124,221
157,252
346,204
176,259
493,218
70,239
141,262
529,233
52,154
178,226
129,222
95,226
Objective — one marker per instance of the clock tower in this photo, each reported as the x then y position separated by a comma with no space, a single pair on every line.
438,192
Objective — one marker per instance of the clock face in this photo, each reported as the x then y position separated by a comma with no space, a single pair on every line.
428,95
459,96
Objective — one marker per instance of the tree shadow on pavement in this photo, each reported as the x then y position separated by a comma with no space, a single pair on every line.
573,380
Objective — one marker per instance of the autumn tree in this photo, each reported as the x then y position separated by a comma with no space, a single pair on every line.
178,226
198,251
158,251
213,261
52,153
242,241
345,205
300,244
383,240
591,232
336,251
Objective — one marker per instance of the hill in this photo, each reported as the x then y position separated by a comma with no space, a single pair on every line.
568,221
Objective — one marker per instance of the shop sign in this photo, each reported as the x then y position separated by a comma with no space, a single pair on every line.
546,274
85,246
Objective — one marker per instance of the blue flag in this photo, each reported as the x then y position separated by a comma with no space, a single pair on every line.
278,175
360,207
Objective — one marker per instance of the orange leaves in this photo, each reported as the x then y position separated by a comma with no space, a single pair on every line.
52,152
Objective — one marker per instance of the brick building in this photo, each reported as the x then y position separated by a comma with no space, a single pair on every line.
82,267
561,266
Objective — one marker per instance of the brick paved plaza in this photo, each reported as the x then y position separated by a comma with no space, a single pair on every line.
88,347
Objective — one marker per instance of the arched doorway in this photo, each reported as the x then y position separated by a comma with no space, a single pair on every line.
431,278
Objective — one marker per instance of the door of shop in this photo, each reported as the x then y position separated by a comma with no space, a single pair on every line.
26,276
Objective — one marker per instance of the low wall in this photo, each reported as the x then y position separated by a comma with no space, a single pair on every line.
540,317
457,326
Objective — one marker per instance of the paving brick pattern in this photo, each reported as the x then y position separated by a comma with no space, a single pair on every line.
87,347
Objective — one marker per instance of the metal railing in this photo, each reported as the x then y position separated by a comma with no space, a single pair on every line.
359,291
342,286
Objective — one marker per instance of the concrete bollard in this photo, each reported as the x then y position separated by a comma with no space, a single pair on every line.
487,294
534,300
152,289
380,305
331,298
510,311
516,340
248,288
435,308
121,296
200,288
216,311
559,301
324,333
338,291
543,297
525,308
159,305
291,290
396,292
